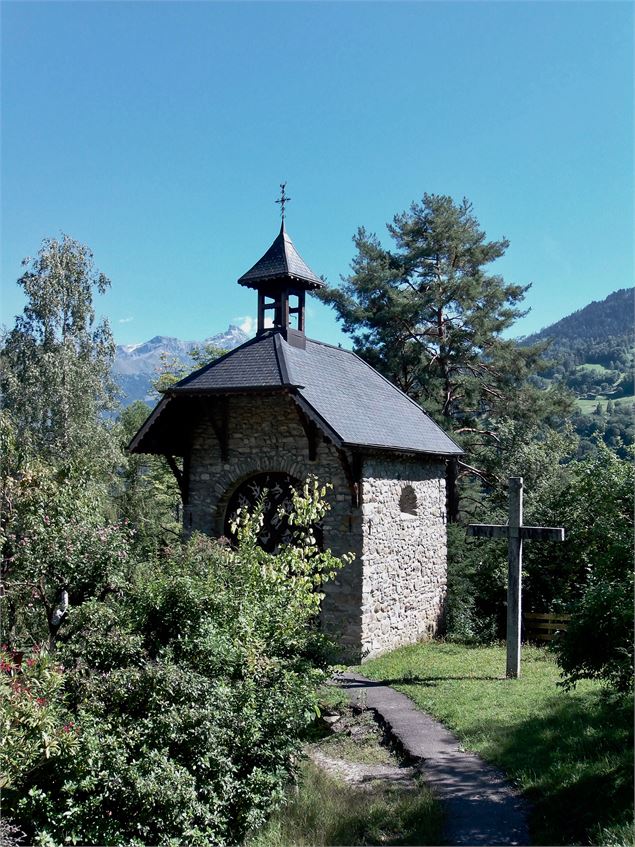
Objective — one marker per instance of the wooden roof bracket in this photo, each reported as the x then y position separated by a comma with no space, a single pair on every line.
182,476
353,471
311,415
311,431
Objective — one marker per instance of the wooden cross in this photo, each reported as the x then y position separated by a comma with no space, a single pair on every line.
515,533
283,199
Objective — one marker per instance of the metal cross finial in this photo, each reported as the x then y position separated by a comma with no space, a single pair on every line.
283,199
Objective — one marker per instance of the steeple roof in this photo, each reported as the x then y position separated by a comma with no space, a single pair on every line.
281,261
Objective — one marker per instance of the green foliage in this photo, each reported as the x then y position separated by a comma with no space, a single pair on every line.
597,507
147,494
477,575
36,726
56,361
430,317
57,550
599,641
590,575
191,685
477,568
614,424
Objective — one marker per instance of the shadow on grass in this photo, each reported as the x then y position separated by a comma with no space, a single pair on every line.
576,761
351,684
573,757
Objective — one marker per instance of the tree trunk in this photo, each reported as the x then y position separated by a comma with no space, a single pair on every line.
451,491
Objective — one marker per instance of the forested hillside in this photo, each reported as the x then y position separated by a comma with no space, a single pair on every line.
612,316
592,354
592,349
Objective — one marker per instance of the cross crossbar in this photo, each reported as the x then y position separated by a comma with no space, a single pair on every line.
527,533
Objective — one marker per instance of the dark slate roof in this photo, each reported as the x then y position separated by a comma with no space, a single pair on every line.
255,364
363,407
352,403
281,260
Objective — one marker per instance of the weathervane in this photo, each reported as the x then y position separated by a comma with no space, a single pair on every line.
283,199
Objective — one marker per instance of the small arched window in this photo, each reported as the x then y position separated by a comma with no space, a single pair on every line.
408,501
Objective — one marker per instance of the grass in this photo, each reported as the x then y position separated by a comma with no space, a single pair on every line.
593,368
587,407
571,752
326,811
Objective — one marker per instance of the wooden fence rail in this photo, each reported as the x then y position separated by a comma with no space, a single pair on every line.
542,626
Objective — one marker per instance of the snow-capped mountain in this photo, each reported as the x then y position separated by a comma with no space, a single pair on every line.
136,365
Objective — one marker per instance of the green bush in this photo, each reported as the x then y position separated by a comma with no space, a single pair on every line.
36,726
598,643
190,688
475,610
58,551
598,508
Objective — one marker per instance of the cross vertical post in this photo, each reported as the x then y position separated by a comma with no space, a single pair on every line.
515,532
514,575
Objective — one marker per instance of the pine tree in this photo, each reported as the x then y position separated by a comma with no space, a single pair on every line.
430,316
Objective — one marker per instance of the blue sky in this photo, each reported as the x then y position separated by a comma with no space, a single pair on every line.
158,132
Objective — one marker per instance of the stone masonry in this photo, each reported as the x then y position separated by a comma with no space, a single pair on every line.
404,552
393,592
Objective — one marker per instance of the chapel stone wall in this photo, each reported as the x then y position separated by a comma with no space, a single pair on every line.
265,434
404,551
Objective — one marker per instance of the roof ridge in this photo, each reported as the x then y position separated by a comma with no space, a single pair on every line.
281,359
326,344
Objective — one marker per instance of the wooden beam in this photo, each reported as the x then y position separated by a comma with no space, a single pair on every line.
179,476
515,564
482,530
352,471
542,533
527,533
311,432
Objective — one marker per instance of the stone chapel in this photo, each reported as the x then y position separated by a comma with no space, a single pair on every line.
283,406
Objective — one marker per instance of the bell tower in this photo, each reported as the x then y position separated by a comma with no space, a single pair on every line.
282,278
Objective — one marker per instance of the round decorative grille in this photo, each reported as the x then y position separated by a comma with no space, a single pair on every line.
275,529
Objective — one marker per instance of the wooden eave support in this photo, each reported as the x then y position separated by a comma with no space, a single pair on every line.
311,431
353,471
182,476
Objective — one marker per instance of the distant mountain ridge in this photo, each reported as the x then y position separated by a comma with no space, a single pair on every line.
137,365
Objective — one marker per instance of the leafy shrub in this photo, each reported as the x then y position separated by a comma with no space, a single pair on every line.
476,588
598,505
599,641
191,687
37,728
57,550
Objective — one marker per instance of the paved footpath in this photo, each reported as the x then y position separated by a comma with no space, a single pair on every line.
481,806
